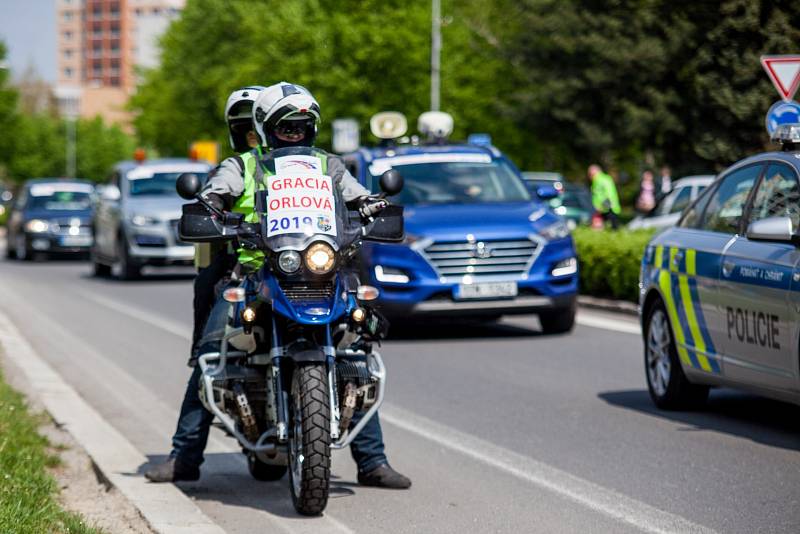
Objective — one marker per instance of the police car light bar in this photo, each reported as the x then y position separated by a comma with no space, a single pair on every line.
388,125
787,134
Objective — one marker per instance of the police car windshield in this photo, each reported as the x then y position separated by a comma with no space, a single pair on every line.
458,182
159,184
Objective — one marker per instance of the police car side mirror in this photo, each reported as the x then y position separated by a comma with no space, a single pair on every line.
188,185
772,229
546,192
391,182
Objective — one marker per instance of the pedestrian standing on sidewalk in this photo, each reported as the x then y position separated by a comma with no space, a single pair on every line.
604,195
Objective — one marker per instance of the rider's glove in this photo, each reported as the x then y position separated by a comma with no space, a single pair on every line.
215,201
371,206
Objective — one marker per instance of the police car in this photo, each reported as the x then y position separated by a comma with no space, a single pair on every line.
478,242
720,291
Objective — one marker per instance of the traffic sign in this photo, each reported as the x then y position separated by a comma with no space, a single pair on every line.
782,113
345,135
784,71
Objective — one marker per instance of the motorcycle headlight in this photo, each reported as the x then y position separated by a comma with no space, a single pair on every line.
289,261
557,230
320,258
37,226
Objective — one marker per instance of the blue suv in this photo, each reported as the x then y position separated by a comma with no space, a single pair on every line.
479,242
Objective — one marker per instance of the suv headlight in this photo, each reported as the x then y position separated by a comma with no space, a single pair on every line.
37,226
143,220
320,258
289,261
557,230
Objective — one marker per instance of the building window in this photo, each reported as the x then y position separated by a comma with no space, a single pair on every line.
156,10
68,35
68,53
67,16
68,72
115,82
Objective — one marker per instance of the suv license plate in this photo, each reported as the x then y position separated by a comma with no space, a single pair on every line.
76,241
486,291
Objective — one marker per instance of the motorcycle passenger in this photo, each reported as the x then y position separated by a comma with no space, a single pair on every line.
284,115
221,258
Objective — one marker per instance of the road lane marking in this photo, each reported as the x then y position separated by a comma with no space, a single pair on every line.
607,323
164,506
593,496
167,325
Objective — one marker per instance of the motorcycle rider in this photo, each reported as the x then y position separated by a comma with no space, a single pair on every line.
284,115
215,261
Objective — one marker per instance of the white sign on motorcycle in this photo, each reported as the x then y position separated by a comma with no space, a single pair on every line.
300,198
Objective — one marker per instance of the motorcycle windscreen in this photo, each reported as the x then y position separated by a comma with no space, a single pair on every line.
300,202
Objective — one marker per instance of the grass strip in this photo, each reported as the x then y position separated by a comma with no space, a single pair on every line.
27,491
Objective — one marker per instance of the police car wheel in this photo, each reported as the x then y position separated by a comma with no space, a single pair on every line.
669,388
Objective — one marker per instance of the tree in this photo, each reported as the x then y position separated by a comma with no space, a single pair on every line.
8,104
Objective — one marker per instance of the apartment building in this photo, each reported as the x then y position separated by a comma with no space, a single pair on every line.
100,45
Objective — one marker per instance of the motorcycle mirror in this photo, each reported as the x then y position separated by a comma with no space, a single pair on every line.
188,185
391,182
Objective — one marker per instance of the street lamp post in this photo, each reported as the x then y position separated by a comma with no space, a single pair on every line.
69,99
436,52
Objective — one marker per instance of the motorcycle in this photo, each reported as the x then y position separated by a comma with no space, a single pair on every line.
297,359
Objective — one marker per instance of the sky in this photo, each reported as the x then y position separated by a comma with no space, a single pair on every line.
28,28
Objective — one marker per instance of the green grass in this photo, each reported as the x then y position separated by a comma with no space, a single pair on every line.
27,491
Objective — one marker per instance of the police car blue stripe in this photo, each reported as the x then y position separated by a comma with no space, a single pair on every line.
701,321
687,332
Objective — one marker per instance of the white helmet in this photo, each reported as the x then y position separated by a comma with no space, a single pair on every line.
239,115
289,104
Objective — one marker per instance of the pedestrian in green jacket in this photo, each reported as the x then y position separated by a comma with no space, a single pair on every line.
604,195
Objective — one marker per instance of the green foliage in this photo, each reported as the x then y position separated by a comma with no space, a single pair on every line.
628,81
34,146
27,492
610,261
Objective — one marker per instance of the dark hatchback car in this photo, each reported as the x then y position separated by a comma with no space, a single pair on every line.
51,216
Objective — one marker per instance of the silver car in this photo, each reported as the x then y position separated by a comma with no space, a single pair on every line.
720,292
136,220
669,208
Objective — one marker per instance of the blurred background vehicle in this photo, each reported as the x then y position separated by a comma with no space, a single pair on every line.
574,201
50,216
136,220
478,242
669,208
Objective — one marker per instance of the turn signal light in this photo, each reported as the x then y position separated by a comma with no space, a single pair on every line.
233,294
367,293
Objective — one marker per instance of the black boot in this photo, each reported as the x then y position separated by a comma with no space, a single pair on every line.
172,470
384,476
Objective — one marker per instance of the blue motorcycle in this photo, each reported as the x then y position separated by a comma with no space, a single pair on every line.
296,358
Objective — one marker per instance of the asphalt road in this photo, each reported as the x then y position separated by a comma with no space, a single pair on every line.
501,428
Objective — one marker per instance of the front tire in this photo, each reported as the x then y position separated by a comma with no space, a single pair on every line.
128,268
263,471
21,248
559,321
310,440
668,386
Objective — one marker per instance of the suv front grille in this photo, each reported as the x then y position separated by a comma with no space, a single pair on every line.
481,258
307,291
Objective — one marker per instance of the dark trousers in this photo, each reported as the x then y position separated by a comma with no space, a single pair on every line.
205,296
612,218
191,436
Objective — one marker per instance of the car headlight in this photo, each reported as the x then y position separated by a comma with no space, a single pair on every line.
143,220
557,230
320,258
37,226
289,261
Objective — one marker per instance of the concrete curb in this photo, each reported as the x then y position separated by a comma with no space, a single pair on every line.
166,509
617,306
